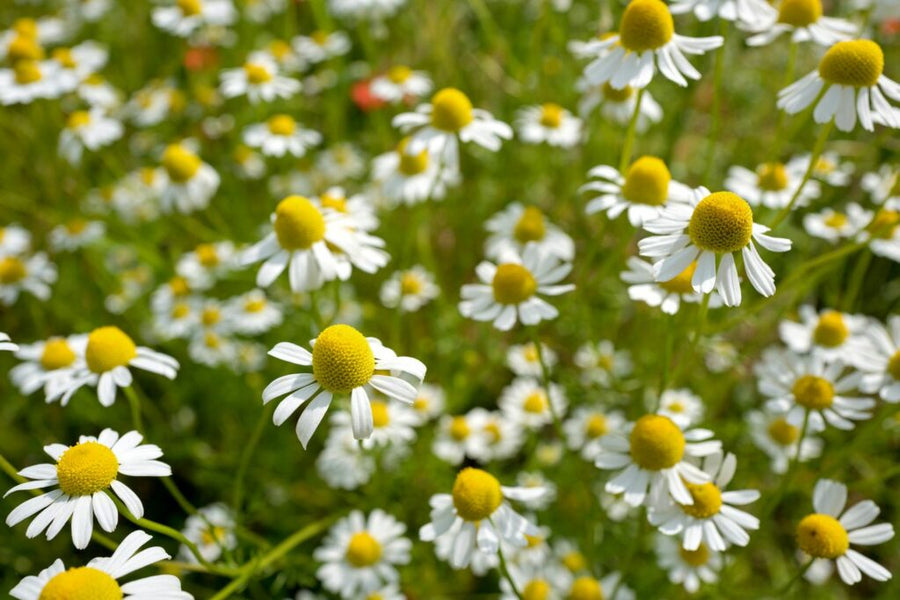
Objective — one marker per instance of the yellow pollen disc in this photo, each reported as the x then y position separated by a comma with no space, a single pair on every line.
411,164
410,284
459,429
614,95
476,494
420,404
681,283
596,426
830,331
493,431
399,73
210,316
180,163
81,583
282,125
336,203
857,63
64,57
279,49
108,348
86,468
190,8
893,367
813,392
451,110
695,558
783,432
799,13
836,220
822,536
24,47
536,589
676,407
319,37
646,25
242,154
530,353
574,561
298,223
77,119
207,255
179,286
771,177
256,73
535,403
533,541
255,305
363,550
722,222
551,115
513,284
12,270
656,443
76,226
342,359
26,27
884,224
212,535
647,181
707,500
585,588
211,340
57,354
530,227
380,415
180,310
27,71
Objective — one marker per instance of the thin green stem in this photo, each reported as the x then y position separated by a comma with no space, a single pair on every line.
813,159
504,570
625,159
856,280
180,498
244,463
784,589
134,402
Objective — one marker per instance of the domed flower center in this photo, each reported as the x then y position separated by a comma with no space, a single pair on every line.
857,63
256,73
451,110
574,561
363,550
211,340
57,354
551,115
298,223
399,73
585,588
64,57
82,583
86,468
799,13
23,47
646,25
836,220
771,177
342,359
707,500
596,426
535,403
281,125
190,8
12,270
884,224
213,535
476,494
319,37
536,589
180,310
830,331
813,392
76,226
254,305
27,71
695,558
822,536
179,286
681,283
411,164
531,226
893,367
207,255
492,429
722,222
210,316
614,95
782,432
513,284
380,415
280,49
410,284
107,348
180,163
647,181
459,428
656,443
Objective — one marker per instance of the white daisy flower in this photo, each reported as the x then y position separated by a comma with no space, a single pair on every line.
429,403
81,476
689,568
14,240
548,123
98,93
480,563
528,403
510,291
618,105
879,358
154,102
43,31
400,84
345,363
804,20
829,333
213,348
78,63
456,439
252,313
883,234
601,363
250,164
883,186
6,345
498,437
587,425
667,295
343,463
826,535
644,190
394,424
211,529
651,453
75,233
357,207
29,80
646,41
259,80
709,229
340,162
33,274
46,363
524,360
569,556
833,225
772,434
848,83
516,226
206,263
533,579
90,11
321,45
410,289
404,178
683,406
184,17
772,184
829,168
100,577
189,182
750,13
280,135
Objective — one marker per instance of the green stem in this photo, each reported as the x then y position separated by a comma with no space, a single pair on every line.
629,134
244,464
790,583
135,403
504,570
813,159
856,280
182,501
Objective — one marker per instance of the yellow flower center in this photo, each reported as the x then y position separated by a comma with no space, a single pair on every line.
279,49
179,286
647,181
210,316
411,164
336,203
646,25
26,27
551,115
535,403
212,535
536,589
813,392
513,284
190,8
614,95
107,348
822,536
771,177
782,432
695,558
656,443
476,494
836,220
681,283
799,13
257,73
451,110
707,500
893,367
12,270
830,331
410,284
211,340
380,415
64,57
57,354
76,226
722,222
399,74
596,426
180,310
342,359
319,37
533,541
857,63
27,71
585,588
207,255
675,407
574,561
531,226
77,119
493,431
23,47
81,583
884,224
459,428
298,223
254,305
282,125
363,550
180,163
86,468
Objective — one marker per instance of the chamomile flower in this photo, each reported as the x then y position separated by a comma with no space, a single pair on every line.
340,162
6,345
75,233
99,579
524,361
99,93
667,295
78,63
826,534
480,562
361,552
455,439
29,80
710,229
587,425
81,476
190,183
510,291
883,234
880,359
259,80
249,164
516,226
46,363
479,506
343,463
211,529
833,225
746,12
498,438
404,178
644,190
689,568
651,453
548,123
601,363
206,263
683,406
400,84
542,579
155,102
357,207
321,45
393,424
618,105
33,274
252,313
829,168
828,333
772,184
804,20
646,41
344,363
429,403
182,18
883,186
848,84
281,135
772,434
410,289
529,404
